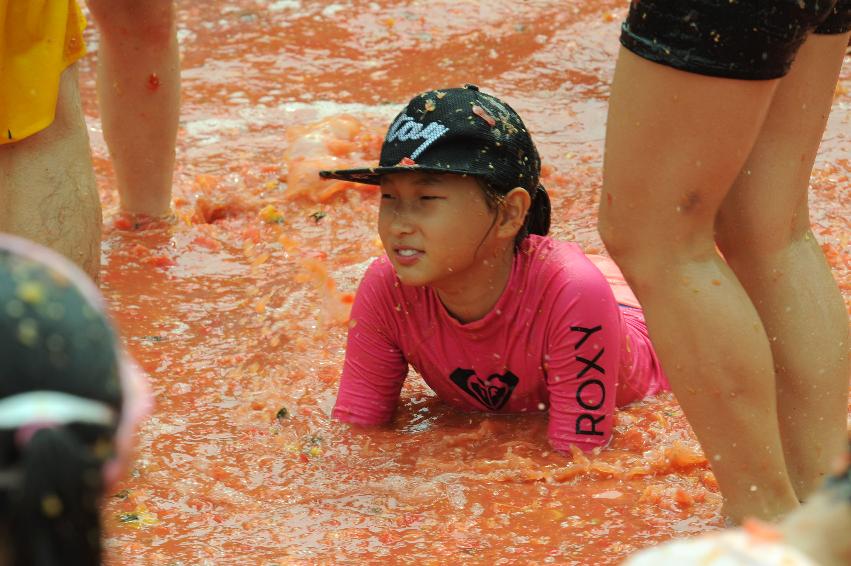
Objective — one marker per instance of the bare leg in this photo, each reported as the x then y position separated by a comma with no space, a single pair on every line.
764,232
47,187
675,143
139,91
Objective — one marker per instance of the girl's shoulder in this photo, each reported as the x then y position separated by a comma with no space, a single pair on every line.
551,260
564,264
545,248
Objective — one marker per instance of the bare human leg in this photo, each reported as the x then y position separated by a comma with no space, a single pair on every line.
139,94
763,230
47,187
675,143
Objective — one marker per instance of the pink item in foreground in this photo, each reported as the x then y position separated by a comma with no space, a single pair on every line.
556,340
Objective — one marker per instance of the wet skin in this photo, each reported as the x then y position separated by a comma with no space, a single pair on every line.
230,333
440,231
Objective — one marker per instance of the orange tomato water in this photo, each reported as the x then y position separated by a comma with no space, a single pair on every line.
237,310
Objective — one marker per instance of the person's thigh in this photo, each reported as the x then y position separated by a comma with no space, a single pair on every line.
48,192
767,207
692,85
675,142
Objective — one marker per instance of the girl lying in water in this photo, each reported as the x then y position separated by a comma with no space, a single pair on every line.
493,314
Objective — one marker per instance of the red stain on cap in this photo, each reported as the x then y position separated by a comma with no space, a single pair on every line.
407,162
483,114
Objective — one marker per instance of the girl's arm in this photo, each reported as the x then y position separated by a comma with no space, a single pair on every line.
582,361
374,369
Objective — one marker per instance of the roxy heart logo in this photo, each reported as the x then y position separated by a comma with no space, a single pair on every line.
492,392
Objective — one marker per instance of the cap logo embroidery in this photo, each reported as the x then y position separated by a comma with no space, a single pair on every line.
406,129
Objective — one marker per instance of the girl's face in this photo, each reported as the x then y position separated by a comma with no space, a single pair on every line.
436,228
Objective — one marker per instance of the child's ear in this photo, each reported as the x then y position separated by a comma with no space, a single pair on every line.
513,211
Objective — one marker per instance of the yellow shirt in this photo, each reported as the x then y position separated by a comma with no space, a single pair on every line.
38,40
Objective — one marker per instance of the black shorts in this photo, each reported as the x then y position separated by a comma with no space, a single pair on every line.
737,39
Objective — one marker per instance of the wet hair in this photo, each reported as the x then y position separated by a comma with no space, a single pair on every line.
537,217
53,341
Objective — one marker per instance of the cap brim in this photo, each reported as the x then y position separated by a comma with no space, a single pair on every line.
372,175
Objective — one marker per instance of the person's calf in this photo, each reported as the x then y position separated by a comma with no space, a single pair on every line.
139,93
807,326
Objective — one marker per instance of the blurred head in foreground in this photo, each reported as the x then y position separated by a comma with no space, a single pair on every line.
69,403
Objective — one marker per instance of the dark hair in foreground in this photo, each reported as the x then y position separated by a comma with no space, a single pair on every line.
52,340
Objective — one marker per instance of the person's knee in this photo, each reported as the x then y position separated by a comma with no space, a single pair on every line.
615,236
627,244
627,236
742,236
149,20
646,245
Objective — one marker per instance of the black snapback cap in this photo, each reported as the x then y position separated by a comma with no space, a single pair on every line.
456,130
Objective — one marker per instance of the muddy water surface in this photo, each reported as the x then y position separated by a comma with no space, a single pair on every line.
237,310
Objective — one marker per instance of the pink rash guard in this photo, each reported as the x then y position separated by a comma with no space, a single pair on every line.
556,340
